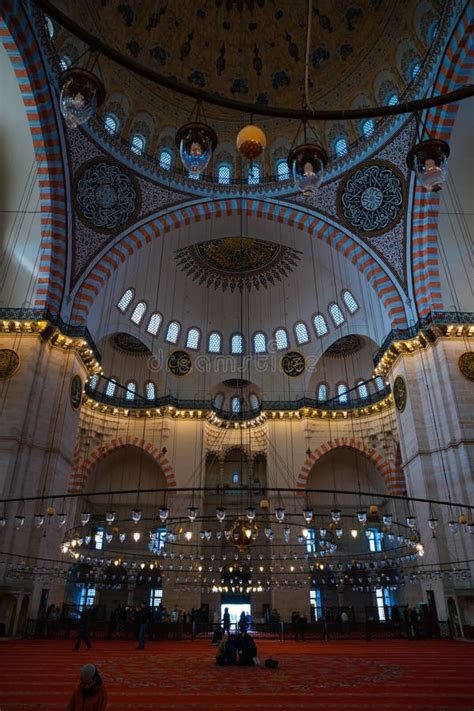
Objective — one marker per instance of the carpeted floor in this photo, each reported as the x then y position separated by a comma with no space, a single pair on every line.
377,675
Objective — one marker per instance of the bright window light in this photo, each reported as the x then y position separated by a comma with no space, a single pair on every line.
193,338
281,339
214,343
260,342
336,314
172,333
349,301
138,313
301,333
320,325
154,323
236,344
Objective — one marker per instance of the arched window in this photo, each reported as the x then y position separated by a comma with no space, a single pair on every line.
414,70
282,171
259,342
111,123
218,401
340,147
254,401
193,338
131,390
379,383
214,342
336,314
254,174
320,325
362,389
235,405
93,380
154,323
349,301
125,300
194,176
301,333
281,339
165,159
150,390
322,392
172,332
65,62
138,144
235,478
49,26
342,389
138,313
392,99
236,344
367,126
224,173
110,388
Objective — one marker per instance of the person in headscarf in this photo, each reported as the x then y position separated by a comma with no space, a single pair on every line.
90,694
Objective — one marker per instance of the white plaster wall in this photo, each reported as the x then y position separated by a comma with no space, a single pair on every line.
20,224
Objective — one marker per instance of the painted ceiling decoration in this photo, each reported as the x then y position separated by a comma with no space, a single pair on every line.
345,346
126,343
232,262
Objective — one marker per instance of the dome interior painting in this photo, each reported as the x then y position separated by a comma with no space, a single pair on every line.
236,340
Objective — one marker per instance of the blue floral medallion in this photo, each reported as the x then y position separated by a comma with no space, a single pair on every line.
371,198
106,196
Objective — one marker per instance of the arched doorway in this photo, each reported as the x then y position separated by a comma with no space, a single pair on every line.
8,605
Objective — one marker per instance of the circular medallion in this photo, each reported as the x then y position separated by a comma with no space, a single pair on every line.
76,391
400,393
9,363
179,363
106,196
293,364
371,198
466,365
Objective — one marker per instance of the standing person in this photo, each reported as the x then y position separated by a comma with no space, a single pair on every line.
90,694
301,623
414,623
242,623
143,618
397,633
325,620
83,630
226,621
344,622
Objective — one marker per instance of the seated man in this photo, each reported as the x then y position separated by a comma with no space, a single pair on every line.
217,636
247,651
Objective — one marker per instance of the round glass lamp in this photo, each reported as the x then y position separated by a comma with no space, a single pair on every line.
251,142
429,160
81,93
196,143
306,164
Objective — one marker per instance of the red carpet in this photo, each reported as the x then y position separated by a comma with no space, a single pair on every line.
377,675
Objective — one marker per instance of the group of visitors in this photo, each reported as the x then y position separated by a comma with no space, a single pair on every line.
237,650
298,624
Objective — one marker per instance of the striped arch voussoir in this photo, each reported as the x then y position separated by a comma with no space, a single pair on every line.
80,475
19,42
394,480
352,250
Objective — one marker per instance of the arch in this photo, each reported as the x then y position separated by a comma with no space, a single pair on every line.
81,472
18,39
454,71
394,480
336,237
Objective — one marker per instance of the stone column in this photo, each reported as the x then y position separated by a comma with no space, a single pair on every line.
436,437
38,427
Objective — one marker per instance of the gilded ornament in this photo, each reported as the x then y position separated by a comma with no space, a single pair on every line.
293,364
179,363
400,393
466,365
9,363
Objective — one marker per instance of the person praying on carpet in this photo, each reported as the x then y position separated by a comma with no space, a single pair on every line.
90,694
247,650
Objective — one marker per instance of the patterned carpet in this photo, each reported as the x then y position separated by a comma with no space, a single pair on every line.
396,674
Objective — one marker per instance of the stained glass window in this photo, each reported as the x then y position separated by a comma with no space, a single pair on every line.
150,390
193,338
301,333
281,339
125,300
260,342
214,343
320,325
138,313
336,314
349,301
236,344
172,332
154,323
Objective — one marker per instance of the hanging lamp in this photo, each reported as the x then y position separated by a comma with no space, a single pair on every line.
429,160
